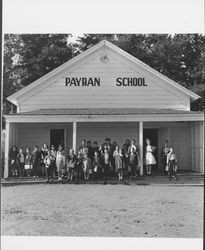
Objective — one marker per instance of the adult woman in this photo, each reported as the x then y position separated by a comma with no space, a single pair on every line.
149,157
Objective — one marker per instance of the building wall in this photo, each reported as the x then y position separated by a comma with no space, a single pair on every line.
196,146
55,95
115,131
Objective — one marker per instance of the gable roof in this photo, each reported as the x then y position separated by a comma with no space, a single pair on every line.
39,82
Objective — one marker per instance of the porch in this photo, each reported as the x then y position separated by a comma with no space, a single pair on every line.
183,130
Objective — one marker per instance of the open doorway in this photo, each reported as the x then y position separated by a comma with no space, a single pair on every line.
151,134
57,137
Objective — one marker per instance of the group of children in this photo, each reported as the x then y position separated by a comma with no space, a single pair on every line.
101,161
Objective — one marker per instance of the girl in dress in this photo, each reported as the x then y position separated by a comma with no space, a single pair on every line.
21,162
172,164
96,164
118,162
86,160
106,163
13,160
71,160
60,162
149,157
28,162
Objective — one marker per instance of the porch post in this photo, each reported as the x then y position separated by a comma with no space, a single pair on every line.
74,136
141,146
6,160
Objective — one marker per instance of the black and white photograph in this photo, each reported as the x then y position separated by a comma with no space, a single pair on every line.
102,135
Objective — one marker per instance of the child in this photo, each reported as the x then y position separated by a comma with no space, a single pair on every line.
79,167
86,166
149,157
13,160
60,162
172,164
28,163
105,158
164,152
71,160
21,162
53,153
133,162
96,164
48,161
44,152
118,162
35,161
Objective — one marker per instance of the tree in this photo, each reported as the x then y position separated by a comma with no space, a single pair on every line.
30,56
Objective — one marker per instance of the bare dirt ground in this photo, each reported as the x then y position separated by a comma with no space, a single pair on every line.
98,210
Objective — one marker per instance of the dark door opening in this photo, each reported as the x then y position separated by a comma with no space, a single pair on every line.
57,137
151,134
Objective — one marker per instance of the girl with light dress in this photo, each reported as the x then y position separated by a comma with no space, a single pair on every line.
60,162
118,162
149,157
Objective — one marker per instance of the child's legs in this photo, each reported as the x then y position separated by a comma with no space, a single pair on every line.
118,173
171,168
132,169
121,174
59,168
47,173
13,169
35,169
21,169
147,168
28,172
71,173
150,168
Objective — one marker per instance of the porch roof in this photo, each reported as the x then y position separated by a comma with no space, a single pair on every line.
105,115
107,111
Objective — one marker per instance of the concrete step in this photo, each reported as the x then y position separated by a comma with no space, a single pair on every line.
140,180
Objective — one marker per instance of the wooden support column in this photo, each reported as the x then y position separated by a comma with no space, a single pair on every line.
74,136
141,146
6,162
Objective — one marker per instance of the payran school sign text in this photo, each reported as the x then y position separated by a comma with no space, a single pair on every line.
95,81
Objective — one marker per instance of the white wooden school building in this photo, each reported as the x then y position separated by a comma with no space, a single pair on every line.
106,92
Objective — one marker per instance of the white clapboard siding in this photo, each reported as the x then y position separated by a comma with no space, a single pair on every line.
196,146
99,131
179,140
57,95
38,134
